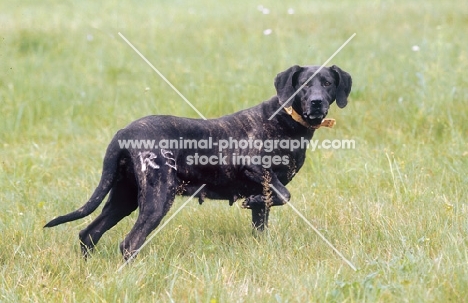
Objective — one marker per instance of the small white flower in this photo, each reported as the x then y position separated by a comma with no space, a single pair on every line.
265,11
89,37
415,48
291,11
267,32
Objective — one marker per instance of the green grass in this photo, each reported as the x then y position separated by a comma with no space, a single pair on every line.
396,205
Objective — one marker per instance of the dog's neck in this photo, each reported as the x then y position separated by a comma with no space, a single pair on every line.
296,117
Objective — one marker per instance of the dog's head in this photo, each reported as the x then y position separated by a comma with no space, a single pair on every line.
312,100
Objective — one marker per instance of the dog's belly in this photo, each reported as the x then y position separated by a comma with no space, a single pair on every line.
230,193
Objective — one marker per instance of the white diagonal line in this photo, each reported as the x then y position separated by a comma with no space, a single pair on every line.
305,83
315,229
160,228
162,76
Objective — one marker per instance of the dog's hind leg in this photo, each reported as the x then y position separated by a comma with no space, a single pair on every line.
157,188
122,201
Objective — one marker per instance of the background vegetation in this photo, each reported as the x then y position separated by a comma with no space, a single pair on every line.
396,205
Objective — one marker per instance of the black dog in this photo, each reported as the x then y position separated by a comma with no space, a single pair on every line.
225,154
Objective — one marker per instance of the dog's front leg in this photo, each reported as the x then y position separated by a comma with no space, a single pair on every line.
260,204
260,216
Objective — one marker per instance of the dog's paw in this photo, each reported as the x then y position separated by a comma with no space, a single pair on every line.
129,255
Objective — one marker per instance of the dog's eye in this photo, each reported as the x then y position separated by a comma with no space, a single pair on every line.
326,83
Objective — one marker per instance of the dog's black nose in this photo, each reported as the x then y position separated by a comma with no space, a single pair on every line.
316,103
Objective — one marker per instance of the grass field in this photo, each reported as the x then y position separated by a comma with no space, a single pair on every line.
396,205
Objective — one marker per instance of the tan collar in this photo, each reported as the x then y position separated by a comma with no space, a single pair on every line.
328,122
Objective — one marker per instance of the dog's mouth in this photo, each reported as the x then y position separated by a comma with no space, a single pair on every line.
313,120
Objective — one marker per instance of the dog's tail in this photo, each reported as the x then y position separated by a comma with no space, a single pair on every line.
108,177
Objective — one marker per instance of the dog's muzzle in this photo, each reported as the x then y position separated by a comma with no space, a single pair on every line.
315,113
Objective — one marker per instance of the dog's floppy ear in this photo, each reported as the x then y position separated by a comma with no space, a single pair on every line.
344,86
284,83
